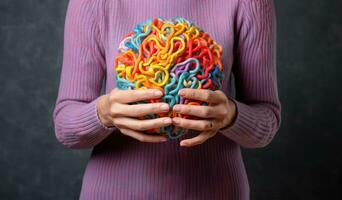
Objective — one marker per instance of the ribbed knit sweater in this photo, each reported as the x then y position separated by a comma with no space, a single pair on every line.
121,167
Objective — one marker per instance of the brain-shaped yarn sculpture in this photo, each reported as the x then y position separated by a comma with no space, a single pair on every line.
169,55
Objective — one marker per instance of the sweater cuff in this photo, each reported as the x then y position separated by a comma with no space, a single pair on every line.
91,119
240,127
98,121
81,126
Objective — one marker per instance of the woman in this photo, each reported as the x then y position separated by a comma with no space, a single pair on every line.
206,163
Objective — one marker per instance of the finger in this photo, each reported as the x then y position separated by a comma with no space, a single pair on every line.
201,95
143,137
199,125
129,96
142,125
199,139
195,110
138,110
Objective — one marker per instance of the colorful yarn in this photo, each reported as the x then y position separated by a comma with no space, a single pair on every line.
169,55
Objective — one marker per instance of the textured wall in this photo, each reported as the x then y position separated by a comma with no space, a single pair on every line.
303,162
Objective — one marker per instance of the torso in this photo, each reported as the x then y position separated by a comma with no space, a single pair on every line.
123,168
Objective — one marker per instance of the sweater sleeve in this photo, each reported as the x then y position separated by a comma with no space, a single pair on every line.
75,115
258,107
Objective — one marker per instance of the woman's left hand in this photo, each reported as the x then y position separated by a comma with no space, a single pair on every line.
219,113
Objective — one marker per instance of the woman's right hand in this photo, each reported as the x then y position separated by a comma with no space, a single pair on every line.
114,110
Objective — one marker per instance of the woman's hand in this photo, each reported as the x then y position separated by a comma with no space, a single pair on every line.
114,110
218,114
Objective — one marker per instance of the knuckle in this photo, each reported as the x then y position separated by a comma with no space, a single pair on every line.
207,95
202,126
120,126
160,122
185,110
191,94
140,126
223,112
139,110
207,126
113,95
206,111
116,123
113,111
219,92
185,123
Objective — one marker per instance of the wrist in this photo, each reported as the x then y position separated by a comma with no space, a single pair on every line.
102,108
232,114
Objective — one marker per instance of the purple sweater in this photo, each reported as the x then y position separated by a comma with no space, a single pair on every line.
123,168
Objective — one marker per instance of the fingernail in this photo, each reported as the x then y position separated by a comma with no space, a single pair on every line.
167,121
176,108
158,93
181,93
164,107
163,140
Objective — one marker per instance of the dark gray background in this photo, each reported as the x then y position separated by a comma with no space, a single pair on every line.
304,161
